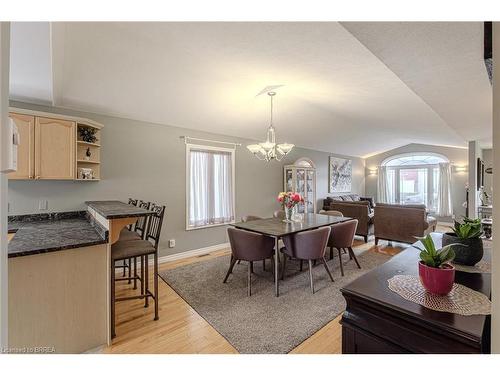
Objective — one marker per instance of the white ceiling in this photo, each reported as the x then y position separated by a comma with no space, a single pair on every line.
339,94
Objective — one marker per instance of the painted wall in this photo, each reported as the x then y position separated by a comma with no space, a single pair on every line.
457,156
147,161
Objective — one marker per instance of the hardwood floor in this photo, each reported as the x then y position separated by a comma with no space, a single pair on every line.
181,330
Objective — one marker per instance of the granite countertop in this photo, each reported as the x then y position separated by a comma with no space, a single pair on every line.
117,209
43,235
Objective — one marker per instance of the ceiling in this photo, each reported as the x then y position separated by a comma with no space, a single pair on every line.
351,88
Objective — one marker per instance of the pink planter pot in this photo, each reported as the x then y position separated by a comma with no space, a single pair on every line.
437,280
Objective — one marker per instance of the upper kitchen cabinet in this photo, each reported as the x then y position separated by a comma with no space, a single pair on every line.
25,150
55,142
56,147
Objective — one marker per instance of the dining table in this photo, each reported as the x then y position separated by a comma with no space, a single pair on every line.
277,228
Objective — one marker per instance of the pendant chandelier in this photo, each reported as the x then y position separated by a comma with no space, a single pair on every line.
269,150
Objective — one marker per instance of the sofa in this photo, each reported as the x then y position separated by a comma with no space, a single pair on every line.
354,206
402,223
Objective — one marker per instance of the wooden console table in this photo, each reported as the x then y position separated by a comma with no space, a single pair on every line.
378,320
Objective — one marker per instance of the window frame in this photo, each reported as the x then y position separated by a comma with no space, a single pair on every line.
430,175
189,148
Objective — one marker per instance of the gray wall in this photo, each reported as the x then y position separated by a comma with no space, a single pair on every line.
457,156
147,161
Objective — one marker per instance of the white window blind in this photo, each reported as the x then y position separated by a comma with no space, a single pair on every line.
210,186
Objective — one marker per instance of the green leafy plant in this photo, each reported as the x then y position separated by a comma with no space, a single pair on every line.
469,228
88,134
433,257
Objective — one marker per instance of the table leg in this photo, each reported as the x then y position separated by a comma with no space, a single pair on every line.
276,255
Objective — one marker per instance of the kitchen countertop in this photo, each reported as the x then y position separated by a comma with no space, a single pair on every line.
117,209
44,235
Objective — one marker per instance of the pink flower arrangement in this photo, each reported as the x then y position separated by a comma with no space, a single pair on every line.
289,199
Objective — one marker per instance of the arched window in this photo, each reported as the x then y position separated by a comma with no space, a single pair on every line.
414,178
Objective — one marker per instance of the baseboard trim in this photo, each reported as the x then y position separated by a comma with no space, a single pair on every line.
193,253
184,255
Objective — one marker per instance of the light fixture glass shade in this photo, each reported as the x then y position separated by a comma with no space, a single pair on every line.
285,147
267,145
254,148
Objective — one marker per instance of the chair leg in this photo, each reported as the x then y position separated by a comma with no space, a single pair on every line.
311,275
230,270
283,265
376,241
331,253
129,270
326,268
156,284
263,265
142,275
350,256
251,267
146,278
366,238
135,272
351,251
113,333
272,264
301,265
340,261
124,267
249,293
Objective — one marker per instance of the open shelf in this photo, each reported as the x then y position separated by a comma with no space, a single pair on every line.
88,161
88,143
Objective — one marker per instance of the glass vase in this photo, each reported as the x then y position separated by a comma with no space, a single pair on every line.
288,215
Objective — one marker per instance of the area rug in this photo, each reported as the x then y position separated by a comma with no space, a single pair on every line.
263,323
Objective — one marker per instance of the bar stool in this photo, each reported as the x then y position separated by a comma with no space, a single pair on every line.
139,248
126,264
135,232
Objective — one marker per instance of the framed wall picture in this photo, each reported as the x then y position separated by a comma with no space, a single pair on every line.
340,175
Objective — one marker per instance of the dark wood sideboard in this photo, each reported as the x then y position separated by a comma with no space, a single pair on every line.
378,320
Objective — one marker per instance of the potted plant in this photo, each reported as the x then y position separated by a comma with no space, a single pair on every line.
466,233
88,134
436,274
288,201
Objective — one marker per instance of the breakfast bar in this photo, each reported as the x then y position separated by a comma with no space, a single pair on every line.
59,276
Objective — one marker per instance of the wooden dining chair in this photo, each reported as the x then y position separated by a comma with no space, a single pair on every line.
342,238
308,245
249,247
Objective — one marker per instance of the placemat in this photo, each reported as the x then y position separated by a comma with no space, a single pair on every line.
480,267
461,300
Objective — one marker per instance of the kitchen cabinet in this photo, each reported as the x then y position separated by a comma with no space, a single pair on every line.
50,148
55,142
25,150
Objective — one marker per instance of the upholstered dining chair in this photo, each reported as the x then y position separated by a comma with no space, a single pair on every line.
249,247
244,219
341,238
309,245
